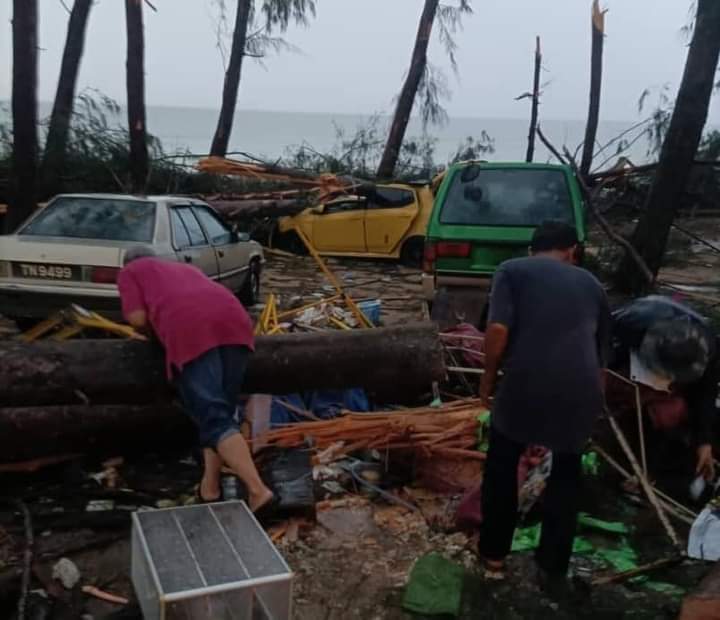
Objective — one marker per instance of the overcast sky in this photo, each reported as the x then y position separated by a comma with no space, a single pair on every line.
354,55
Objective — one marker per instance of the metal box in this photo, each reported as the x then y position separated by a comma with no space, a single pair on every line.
208,562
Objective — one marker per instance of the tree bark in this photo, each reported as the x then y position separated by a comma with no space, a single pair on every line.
406,101
535,103
401,359
36,432
679,148
254,209
59,128
231,85
135,81
24,112
596,66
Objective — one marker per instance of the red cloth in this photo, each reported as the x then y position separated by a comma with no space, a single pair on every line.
189,313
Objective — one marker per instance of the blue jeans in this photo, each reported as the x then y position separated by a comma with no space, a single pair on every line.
209,387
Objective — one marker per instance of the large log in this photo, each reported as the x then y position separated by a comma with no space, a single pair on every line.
403,360
36,432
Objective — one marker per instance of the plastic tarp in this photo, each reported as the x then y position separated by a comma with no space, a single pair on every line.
435,587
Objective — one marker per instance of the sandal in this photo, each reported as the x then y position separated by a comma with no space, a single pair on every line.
199,499
493,570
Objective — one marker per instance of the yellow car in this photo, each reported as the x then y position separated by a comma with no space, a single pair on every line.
387,221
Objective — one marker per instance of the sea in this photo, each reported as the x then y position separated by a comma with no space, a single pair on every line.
270,135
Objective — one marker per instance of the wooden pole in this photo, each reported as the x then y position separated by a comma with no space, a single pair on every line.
535,102
596,61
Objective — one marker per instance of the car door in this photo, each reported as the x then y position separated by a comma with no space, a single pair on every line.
190,242
340,227
233,256
389,214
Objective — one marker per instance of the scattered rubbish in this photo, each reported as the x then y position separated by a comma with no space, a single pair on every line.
590,464
104,596
290,476
697,487
613,527
66,572
435,586
100,505
704,540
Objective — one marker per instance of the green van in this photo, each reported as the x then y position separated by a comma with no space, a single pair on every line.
485,213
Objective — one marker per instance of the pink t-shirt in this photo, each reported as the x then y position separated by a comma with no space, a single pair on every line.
189,313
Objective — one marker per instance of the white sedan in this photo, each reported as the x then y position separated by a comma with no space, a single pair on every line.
71,251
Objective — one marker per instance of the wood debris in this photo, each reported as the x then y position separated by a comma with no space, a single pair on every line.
449,430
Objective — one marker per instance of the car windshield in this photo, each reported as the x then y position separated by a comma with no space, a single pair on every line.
95,218
481,196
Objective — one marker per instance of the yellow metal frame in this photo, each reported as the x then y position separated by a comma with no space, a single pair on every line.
69,323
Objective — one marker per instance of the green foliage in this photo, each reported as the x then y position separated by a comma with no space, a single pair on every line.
358,153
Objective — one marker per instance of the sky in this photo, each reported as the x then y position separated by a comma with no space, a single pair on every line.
353,56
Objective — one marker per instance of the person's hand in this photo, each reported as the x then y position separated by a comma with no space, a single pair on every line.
138,336
484,393
705,462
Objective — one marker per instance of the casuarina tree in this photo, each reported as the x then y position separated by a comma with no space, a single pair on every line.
679,147
421,78
135,81
248,41
24,112
59,128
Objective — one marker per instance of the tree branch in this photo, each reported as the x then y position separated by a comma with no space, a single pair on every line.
550,147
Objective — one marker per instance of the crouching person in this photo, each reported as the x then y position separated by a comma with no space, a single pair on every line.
208,339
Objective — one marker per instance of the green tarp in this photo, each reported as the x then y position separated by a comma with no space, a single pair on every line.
435,586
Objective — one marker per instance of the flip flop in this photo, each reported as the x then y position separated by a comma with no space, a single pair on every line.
199,499
493,570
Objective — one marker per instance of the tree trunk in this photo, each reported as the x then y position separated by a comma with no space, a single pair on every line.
400,359
37,432
679,148
406,101
59,128
24,112
535,102
135,80
221,139
596,65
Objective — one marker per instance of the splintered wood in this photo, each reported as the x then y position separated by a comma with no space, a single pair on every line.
450,430
326,185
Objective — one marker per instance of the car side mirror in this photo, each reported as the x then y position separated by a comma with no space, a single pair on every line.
237,237
473,193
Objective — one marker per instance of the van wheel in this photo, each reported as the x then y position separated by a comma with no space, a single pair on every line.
250,292
411,254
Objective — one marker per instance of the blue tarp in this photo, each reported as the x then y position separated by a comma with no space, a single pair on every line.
324,404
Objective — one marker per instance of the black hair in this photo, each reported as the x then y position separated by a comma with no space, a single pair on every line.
552,235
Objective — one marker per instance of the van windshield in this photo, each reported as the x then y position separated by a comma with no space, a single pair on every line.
481,196
95,218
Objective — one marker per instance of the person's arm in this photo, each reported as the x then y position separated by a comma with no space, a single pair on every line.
701,399
133,303
500,319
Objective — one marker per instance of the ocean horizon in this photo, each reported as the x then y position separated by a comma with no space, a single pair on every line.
270,134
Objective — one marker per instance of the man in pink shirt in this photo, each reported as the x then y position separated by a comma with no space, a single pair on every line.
208,338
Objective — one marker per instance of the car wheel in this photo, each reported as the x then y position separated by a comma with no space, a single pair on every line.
250,292
411,254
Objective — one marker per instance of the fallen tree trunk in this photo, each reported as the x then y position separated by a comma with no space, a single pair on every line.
35,432
402,360
251,209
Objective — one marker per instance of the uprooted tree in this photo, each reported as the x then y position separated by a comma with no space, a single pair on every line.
420,77
277,14
24,112
679,147
59,128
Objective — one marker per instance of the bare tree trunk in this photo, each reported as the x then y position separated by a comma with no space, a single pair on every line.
596,65
406,101
59,128
24,112
221,139
135,79
535,102
679,148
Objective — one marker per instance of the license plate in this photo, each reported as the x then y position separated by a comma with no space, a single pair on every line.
43,271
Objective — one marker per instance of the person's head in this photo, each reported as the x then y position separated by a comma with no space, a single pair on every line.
556,239
137,251
676,349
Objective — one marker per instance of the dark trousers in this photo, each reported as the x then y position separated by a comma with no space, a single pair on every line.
500,504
